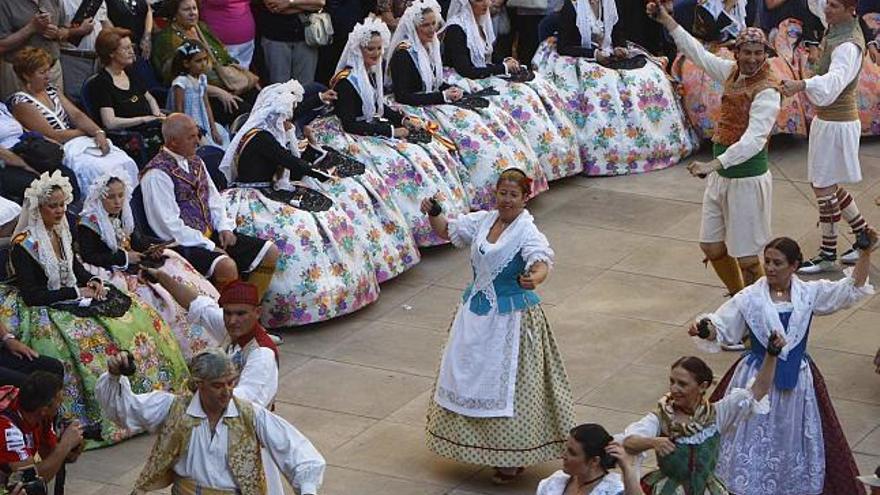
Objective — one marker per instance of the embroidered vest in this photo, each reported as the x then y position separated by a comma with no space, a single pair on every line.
510,296
243,449
788,371
736,102
690,468
846,107
91,222
190,190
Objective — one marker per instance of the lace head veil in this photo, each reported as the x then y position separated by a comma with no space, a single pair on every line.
94,205
274,106
369,89
461,14
31,221
428,60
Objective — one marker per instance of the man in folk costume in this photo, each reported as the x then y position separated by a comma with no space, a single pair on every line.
201,434
182,205
234,321
833,155
737,202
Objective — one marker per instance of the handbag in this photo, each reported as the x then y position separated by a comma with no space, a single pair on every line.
39,153
236,79
318,28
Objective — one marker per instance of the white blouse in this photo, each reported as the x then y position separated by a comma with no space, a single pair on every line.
611,484
206,457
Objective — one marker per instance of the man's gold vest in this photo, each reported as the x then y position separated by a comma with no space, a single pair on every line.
846,107
243,449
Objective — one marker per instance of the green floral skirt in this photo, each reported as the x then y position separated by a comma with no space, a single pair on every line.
83,345
542,412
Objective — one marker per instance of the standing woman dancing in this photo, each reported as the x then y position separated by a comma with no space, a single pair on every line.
502,397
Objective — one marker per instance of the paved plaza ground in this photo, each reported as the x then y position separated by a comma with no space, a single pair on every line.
628,278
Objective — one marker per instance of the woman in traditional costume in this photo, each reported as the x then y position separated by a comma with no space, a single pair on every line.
800,446
502,397
330,256
112,248
61,310
489,140
590,454
628,114
384,138
535,103
686,429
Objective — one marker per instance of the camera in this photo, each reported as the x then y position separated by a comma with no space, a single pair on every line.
31,482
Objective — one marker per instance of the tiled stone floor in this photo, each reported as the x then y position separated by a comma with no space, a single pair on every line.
628,278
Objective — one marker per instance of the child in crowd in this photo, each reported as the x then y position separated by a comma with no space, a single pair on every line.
189,91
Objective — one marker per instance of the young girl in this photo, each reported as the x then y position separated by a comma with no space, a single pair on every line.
189,91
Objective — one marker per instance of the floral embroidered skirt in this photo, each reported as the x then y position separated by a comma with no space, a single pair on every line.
191,338
540,112
543,411
324,269
404,172
489,141
628,121
83,345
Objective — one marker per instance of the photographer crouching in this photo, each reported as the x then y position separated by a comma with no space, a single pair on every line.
31,454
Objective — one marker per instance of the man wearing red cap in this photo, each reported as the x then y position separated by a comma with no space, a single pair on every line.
833,154
737,203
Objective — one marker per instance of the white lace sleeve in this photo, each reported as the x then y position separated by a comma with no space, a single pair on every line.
833,296
463,229
738,405
536,248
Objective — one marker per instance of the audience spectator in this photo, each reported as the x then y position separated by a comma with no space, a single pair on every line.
25,157
189,91
78,59
33,23
28,437
283,39
39,107
118,97
233,22
18,361
226,102
344,14
137,17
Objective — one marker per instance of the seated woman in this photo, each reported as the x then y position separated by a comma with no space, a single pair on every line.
590,453
716,24
119,99
232,89
112,248
628,114
26,157
376,135
685,429
800,444
488,140
535,104
41,108
329,260
60,310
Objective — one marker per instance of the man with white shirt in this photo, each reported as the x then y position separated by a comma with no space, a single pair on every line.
833,153
737,202
78,58
210,443
183,205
